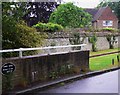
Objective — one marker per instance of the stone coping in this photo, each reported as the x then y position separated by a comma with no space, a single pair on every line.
39,55
68,34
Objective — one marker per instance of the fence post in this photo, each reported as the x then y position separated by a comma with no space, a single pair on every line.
118,58
20,53
112,61
49,51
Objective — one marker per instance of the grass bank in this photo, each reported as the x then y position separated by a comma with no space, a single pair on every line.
103,62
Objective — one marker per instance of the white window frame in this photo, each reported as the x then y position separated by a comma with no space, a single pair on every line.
107,23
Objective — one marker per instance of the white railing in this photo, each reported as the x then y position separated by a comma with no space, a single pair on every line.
20,50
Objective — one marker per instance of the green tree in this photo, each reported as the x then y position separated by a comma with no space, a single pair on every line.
115,6
11,15
69,15
15,33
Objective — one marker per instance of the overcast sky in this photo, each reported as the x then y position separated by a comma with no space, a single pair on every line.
85,3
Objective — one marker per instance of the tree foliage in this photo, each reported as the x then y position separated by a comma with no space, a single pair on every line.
69,15
31,12
15,33
39,12
24,37
115,6
28,36
11,15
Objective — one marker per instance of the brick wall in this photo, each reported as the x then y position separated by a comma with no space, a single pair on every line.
100,24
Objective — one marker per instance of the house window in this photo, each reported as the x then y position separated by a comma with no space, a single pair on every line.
107,23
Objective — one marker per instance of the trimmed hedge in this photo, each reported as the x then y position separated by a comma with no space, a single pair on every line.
110,29
103,30
48,27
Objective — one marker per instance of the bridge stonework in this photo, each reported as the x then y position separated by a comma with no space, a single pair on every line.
39,69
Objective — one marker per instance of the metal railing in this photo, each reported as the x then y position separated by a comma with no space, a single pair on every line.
20,50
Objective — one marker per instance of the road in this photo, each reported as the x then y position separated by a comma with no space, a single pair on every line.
104,83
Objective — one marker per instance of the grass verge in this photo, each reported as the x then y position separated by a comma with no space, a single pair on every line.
103,62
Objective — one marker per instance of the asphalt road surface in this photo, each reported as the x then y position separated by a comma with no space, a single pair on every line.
104,83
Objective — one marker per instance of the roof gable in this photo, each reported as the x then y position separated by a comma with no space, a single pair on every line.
103,13
107,14
99,13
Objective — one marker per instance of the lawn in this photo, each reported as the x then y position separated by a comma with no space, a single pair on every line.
103,51
103,62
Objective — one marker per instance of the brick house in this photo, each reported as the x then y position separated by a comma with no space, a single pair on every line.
103,17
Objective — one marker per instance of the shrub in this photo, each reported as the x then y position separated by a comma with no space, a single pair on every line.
93,41
111,40
110,29
24,37
76,39
28,37
103,30
48,27
8,82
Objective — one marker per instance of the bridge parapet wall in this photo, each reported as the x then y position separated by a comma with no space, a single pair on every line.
38,69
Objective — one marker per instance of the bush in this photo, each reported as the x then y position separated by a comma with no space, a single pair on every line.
111,40
93,40
24,37
76,39
110,29
28,37
103,30
48,27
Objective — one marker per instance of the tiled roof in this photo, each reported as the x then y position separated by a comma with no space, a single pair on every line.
99,13
92,11
96,13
